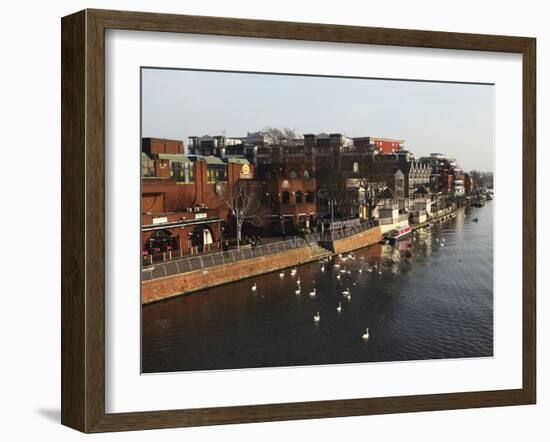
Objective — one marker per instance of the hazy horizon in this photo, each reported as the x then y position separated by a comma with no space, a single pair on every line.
451,118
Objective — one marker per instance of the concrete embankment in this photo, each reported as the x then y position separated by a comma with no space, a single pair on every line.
358,241
183,283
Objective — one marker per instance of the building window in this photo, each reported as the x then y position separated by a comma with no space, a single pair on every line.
293,174
286,197
299,197
306,174
309,196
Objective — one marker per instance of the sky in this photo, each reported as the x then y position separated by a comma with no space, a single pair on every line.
451,118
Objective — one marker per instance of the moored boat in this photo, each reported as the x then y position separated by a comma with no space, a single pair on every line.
399,232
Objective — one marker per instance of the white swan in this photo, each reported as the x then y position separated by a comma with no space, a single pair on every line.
338,277
298,281
297,291
293,271
282,274
366,335
322,268
254,287
313,292
360,270
339,308
316,317
346,292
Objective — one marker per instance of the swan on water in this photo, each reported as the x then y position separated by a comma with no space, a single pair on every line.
338,277
254,287
316,317
346,292
297,291
313,292
339,308
366,335
282,274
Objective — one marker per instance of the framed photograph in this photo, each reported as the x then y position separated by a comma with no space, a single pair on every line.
271,220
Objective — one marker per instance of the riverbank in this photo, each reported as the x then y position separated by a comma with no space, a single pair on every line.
184,283
161,288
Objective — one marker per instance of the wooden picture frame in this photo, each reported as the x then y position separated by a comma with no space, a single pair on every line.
83,210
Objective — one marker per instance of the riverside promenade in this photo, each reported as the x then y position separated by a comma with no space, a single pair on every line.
191,274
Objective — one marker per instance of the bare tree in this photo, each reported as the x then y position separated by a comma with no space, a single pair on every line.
243,200
279,136
371,187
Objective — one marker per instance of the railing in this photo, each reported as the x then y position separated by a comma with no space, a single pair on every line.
202,262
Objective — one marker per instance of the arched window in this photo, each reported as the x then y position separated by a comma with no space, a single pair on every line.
299,197
309,196
293,174
286,197
306,174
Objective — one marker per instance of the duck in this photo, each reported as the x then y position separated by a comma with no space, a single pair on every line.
366,335
313,292
254,287
339,308
316,317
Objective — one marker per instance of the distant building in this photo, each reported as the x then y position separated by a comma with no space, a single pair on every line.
159,145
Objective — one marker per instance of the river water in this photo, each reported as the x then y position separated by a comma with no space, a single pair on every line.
428,297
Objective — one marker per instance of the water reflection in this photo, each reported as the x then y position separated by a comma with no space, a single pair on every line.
429,296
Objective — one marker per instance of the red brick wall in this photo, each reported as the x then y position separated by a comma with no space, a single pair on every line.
158,145
159,289
363,239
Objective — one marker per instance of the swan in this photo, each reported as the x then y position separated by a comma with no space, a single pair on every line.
293,271
316,317
366,335
339,308
297,291
348,297
313,292
338,277
282,274
336,266
346,292
360,270
322,268
298,281
254,287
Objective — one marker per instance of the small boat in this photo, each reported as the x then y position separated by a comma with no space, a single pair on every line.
399,233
